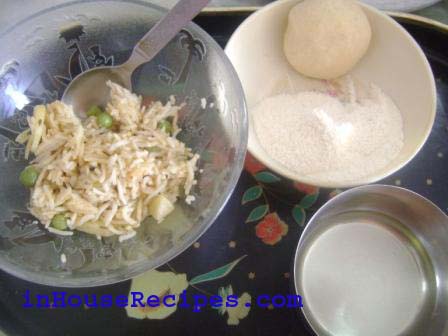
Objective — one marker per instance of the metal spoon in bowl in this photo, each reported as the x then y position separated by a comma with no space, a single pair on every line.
89,88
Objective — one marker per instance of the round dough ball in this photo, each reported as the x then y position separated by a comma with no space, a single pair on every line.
326,38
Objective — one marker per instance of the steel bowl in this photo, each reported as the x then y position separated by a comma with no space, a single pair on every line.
416,225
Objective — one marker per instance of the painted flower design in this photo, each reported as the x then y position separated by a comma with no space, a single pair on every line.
334,193
252,165
271,229
148,100
221,157
160,284
305,188
235,314
241,311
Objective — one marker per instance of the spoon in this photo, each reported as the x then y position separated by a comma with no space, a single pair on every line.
89,88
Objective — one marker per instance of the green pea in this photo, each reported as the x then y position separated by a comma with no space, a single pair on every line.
153,149
94,111
59,222
97,184
104,120
28,176
165,126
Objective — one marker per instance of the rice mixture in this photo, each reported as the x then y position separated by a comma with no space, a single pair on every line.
106,180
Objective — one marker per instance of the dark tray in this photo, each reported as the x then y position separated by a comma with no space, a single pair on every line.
267,242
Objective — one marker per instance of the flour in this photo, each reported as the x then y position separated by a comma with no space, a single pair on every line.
340,137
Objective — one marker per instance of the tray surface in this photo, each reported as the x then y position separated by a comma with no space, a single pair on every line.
259,230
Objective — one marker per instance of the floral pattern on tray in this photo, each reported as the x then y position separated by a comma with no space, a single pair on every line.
268,187
163,283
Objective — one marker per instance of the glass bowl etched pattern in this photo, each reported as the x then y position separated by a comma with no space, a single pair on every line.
46,51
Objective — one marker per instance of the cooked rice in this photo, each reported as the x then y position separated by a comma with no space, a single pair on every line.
104,180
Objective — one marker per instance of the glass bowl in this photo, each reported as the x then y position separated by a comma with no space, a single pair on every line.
46,51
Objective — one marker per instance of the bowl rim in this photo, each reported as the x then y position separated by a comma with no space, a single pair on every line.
373,178
128,272
8,29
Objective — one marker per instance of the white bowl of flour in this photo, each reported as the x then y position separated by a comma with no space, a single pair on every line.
352,131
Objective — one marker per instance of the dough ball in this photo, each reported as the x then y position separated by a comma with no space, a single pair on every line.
326,38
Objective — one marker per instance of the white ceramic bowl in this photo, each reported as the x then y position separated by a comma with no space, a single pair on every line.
394,62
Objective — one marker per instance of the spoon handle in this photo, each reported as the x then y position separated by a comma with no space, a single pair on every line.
164,31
